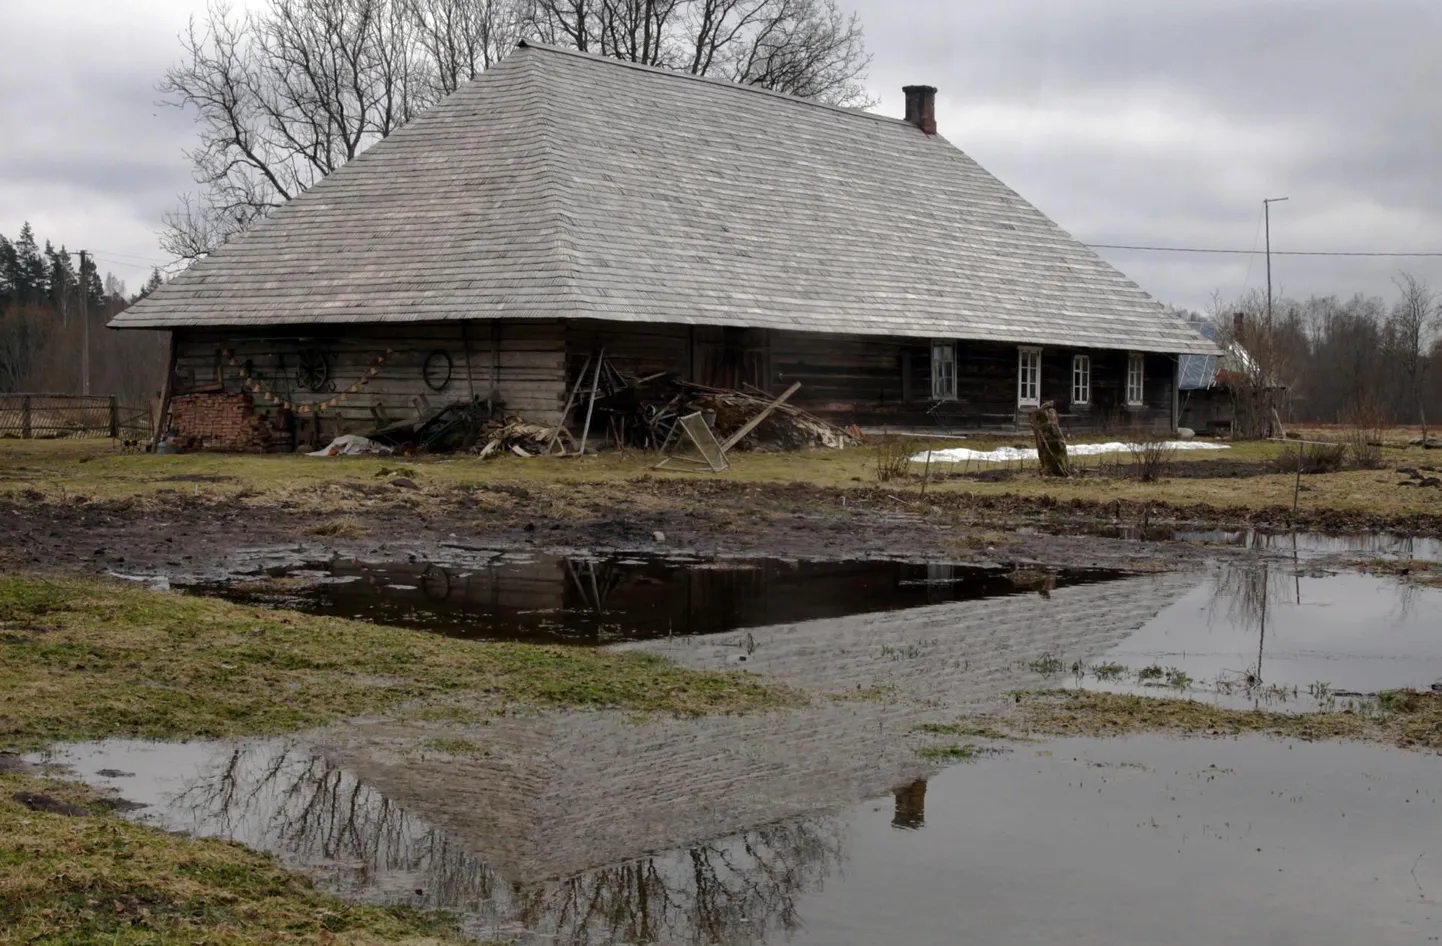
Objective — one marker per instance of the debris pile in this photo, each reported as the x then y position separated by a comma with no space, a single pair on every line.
515,435
786,428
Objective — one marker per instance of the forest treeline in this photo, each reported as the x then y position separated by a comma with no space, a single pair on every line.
46,303
1361,360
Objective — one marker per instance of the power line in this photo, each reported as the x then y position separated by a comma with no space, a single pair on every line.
1253,252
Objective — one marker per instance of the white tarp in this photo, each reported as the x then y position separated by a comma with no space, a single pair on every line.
352,445
1006,454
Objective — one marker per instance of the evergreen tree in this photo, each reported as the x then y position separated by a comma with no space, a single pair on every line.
9,273
31,284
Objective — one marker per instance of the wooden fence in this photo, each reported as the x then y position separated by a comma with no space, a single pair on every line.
49,416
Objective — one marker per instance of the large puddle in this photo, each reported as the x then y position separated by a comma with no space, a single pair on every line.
1279,634
586,599
1135,841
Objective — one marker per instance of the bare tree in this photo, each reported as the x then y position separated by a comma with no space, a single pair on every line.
294,89
1416,314
800,47
1261,360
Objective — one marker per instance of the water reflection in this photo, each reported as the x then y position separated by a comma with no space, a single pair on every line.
598,600
319,818
1273,630
910,806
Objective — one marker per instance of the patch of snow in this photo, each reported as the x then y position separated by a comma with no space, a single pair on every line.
1007,454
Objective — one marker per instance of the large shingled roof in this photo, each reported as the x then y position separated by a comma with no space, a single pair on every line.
560,184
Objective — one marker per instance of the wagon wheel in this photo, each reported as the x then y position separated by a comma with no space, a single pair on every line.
312,373
437,370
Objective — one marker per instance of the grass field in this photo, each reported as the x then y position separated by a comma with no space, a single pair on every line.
64,470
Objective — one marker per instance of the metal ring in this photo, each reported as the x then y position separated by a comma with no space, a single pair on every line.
431,372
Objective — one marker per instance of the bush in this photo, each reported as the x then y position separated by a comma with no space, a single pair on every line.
893,458
1151,459
1363,437
1314,457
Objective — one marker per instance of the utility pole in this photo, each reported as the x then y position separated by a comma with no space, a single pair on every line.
84,328
1267,212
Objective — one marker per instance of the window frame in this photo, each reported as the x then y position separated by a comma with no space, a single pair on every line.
1081,380
1136,390
1025,354
943,392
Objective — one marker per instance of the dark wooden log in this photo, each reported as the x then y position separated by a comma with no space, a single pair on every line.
1050,442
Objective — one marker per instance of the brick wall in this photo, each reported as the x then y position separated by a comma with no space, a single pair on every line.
225,422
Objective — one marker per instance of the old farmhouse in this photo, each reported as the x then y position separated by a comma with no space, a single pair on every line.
563,203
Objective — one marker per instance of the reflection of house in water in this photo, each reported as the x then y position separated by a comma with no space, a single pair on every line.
557,794
551,597
590,827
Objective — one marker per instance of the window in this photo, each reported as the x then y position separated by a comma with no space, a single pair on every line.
1028,377
1136,379
1081,379
943,371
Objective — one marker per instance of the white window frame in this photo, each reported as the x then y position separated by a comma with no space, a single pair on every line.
943,370
1081,379
1028,377
1136,379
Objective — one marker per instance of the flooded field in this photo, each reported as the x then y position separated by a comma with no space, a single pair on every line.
603,599
1135,841
1281,633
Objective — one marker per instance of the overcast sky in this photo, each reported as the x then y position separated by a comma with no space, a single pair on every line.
1152,122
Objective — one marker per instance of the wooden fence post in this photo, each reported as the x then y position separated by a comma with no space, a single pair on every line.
25,417
114,418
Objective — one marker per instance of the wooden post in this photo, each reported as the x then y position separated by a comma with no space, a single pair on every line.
591,405
750,425
1050,442
566,411
166,391
114,418
25,418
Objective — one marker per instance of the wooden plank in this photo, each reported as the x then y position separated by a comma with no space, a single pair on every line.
750,425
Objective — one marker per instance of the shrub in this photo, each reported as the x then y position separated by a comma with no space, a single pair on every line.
1363,437
893,458
1314,457
1151,459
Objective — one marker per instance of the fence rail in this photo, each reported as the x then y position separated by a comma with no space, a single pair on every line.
49,416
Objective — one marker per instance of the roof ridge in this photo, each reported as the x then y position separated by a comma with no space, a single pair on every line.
711,80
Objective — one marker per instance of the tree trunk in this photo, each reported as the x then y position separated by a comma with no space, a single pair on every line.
1050,443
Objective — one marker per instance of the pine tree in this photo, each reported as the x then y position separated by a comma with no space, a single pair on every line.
30,282
9,273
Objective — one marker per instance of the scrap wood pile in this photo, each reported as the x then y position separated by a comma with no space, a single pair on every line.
785,428
518,436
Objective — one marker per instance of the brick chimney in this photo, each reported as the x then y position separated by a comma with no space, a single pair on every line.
921,107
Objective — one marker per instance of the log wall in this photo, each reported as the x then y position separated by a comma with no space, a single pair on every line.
519,365
527,368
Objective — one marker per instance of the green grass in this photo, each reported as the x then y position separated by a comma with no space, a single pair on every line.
1401,717
98,879
88,659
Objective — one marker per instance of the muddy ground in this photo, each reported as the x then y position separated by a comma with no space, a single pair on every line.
188,536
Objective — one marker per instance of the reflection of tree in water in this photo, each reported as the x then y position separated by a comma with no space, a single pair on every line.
732,891
318,817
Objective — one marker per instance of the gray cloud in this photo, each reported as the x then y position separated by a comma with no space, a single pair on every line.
1161,123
